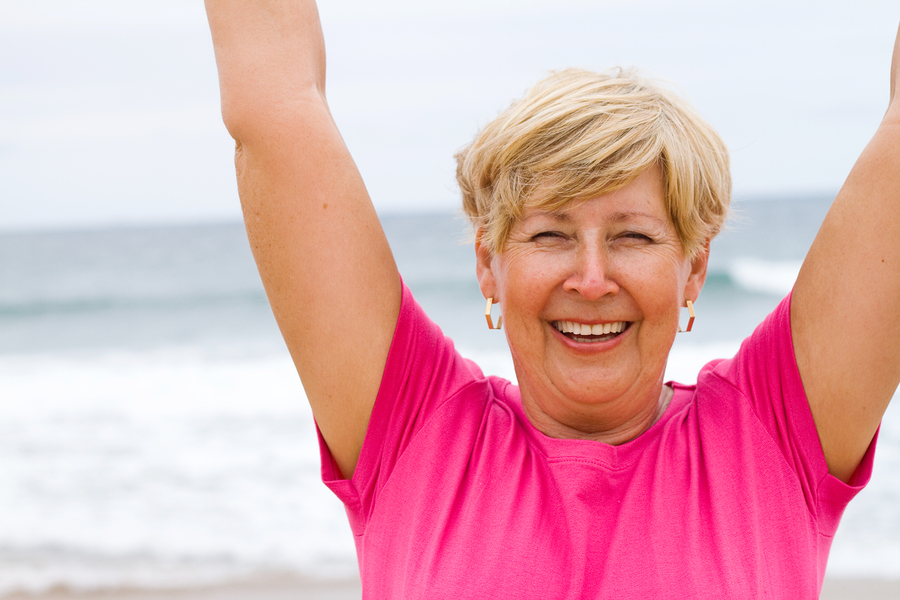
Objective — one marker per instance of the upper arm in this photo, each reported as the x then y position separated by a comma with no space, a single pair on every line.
322,255
845,313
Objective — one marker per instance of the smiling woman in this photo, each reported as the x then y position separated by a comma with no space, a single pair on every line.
594,201
614,260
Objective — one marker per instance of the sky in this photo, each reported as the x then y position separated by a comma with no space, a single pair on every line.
109,109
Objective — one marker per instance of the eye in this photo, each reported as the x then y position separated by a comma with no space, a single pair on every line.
546,235
632,239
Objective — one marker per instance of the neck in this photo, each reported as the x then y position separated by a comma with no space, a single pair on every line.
613,434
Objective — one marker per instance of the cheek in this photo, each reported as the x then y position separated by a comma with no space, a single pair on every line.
657,288
654,271
527,289
526,276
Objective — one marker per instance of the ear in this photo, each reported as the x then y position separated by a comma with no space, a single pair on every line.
697,276
484,259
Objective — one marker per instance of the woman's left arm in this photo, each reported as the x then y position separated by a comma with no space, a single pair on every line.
845,310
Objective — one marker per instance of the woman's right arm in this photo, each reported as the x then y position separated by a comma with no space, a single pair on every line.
320,249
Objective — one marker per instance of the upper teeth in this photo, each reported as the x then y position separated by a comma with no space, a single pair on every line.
585,329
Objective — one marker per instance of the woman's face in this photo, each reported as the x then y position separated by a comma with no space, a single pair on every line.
613,263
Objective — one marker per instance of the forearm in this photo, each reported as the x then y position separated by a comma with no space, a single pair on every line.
270,56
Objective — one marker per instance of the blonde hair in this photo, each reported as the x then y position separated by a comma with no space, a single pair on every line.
577,135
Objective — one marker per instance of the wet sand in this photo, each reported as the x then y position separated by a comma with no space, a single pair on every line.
287,587
296,588
861,589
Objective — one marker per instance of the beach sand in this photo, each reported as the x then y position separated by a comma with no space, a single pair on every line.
296,588
861,589
282,587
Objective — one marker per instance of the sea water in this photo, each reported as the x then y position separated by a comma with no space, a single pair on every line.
153,431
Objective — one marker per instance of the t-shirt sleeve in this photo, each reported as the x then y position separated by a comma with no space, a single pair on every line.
422,371
765,373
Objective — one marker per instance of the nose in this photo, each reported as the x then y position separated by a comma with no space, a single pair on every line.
591,274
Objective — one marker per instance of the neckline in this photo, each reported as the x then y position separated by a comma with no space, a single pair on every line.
606,455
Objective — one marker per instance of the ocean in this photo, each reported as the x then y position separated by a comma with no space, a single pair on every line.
153,431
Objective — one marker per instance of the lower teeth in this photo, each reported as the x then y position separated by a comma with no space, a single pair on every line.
593,338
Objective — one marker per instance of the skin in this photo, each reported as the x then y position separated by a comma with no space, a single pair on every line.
301,194
845,314
326,265
613,258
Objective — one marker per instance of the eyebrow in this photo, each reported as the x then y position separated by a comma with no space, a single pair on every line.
617,217
553,215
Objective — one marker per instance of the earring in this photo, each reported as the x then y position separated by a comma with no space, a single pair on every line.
487,315
690,307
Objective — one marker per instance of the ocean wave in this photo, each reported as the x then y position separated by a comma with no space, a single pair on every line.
158,469
775,277
43,306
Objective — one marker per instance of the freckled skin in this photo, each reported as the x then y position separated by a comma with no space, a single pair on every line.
616,257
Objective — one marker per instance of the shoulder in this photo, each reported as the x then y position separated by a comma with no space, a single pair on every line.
764,369
757,400
421,356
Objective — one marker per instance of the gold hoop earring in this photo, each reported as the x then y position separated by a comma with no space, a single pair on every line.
487,315
690,307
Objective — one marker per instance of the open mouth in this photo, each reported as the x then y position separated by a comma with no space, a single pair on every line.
589,334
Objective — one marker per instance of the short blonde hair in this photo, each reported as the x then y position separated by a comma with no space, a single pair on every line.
577,135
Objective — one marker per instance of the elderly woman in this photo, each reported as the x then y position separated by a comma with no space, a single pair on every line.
594,200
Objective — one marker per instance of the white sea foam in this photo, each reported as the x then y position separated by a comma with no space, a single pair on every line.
686,360
766,276
175,467
160,469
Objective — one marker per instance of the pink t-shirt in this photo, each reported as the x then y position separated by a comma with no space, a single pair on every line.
456,495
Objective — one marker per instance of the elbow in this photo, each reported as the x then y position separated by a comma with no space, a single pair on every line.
249,118
235,119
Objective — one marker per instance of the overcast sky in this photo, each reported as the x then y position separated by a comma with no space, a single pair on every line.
109,109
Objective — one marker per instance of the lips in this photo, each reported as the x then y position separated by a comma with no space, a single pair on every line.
587,333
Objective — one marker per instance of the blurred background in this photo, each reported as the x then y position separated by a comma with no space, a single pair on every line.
153,432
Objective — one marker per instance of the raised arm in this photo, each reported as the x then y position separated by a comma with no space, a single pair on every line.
322,255
846,305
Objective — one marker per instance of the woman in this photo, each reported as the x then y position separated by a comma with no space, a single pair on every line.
594,200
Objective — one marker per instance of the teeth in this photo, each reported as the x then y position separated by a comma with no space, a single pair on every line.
585,329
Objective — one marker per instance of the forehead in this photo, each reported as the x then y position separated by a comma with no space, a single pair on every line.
642,198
